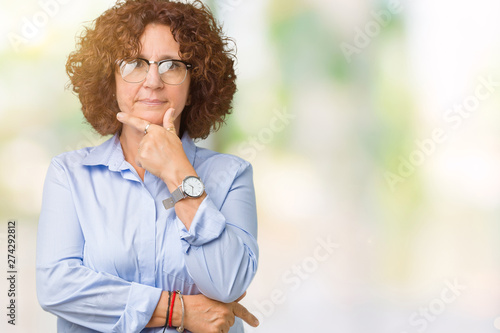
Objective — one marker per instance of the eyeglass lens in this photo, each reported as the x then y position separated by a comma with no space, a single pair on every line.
171,71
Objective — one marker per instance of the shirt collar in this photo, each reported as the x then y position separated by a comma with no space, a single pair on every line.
110,153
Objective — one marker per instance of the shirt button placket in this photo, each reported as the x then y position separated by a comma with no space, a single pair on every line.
148,237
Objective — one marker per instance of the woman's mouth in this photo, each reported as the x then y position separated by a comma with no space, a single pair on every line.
152,102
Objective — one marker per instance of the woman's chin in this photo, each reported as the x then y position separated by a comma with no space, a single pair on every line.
152,116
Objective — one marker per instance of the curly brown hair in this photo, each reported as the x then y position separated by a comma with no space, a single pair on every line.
116,34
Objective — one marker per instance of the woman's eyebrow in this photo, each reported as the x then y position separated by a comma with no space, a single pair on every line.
162,57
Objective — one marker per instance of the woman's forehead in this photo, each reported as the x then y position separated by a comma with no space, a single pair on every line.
157,40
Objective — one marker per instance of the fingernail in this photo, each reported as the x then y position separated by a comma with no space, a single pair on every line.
256,322
119,115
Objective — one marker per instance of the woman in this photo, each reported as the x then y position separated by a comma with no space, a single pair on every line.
125,224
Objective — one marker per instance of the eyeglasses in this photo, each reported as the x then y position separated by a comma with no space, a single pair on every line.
171,71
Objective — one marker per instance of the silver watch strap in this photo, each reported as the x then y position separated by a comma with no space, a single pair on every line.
176,196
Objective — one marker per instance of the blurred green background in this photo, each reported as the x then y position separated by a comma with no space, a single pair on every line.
374,132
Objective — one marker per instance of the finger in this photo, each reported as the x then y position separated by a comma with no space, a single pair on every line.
225,328
168,118
137,123
241,297
231,319
240,311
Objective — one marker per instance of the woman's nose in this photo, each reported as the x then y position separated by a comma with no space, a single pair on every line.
153,79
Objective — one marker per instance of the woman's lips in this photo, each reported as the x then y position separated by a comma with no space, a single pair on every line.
151,102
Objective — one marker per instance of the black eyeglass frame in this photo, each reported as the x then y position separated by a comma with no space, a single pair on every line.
158,63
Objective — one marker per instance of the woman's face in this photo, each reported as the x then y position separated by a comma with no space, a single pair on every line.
151,98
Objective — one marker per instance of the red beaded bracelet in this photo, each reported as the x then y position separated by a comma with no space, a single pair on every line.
168,311
171,310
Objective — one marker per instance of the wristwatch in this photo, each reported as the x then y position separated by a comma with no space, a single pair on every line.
191,187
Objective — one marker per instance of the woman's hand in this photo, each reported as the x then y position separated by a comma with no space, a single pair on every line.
204,315
160,150
161,153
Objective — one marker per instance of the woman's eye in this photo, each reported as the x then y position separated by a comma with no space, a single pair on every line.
166,66
169,66
138,64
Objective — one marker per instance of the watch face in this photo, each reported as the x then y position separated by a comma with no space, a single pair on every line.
193,187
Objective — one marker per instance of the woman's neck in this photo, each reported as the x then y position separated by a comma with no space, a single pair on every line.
130,139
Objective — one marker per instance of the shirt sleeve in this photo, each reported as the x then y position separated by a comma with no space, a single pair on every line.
220,248
65,287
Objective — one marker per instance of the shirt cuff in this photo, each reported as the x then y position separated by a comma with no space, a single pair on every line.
141,303
207,225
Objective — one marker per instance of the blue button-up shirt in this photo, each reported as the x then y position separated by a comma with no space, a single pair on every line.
107,247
